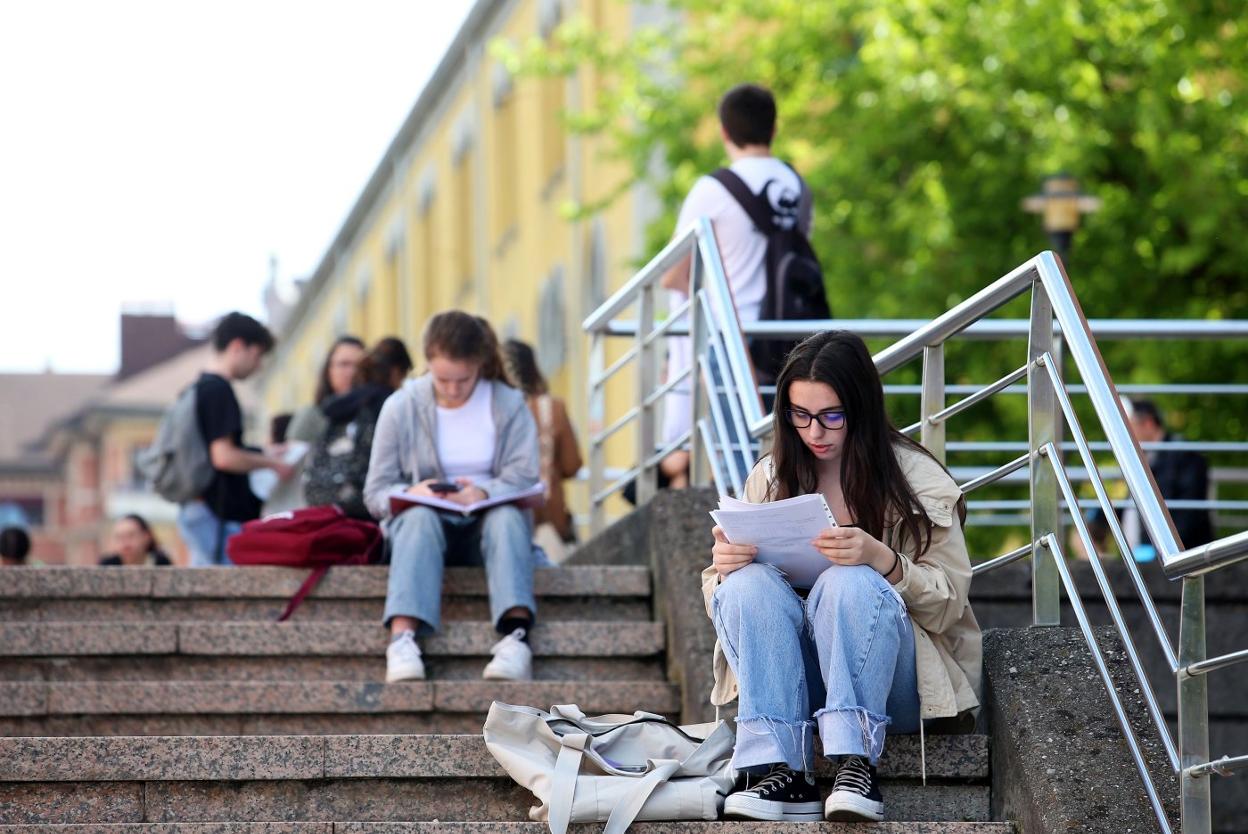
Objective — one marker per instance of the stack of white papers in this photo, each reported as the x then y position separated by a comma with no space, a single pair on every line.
782,531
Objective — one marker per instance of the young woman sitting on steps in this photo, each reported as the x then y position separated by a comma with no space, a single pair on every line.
458,423
886,636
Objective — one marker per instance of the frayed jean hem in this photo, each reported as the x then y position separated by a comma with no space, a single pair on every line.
765,741
852,731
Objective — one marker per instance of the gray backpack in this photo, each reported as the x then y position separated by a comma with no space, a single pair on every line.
177,463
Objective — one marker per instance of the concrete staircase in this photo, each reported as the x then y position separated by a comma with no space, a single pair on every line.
163,700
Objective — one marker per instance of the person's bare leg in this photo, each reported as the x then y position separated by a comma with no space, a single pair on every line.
398,625
676,467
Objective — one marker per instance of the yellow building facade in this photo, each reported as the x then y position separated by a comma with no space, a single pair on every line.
469,209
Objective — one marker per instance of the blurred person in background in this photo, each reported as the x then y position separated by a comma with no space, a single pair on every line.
337,377
337,466
240,344
560,457
134,545
1181,475
14,547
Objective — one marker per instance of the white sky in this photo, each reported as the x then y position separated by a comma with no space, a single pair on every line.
160,152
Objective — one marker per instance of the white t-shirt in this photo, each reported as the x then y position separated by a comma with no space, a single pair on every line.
741,247
467,436
743,250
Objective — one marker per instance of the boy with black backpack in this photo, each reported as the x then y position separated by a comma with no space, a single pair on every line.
761,211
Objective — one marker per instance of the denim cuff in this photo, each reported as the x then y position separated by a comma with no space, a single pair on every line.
852,731
766,741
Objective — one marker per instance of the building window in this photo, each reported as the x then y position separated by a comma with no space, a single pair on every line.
462,233
554,136
505,141
553,102
552,335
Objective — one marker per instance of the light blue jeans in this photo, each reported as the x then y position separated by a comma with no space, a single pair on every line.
842,660
423,541
200,528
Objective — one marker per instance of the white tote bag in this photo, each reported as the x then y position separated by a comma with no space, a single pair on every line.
612,768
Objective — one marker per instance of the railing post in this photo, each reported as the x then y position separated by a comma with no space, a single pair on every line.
1046,607
647,370
699,455
1193,695
597,420
932,400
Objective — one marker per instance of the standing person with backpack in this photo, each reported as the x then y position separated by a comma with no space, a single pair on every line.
213,513
761,211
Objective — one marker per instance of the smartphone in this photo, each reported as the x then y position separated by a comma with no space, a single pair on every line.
444,486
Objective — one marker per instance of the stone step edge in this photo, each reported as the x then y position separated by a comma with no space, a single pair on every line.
293,757
362,582
328,638
57,698
438,827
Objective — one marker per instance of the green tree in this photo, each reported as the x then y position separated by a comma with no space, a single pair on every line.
921,124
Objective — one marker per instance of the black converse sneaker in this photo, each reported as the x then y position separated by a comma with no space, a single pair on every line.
855,794
784,794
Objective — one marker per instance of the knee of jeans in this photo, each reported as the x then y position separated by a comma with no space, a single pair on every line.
847,584
755,590
415,525
503,518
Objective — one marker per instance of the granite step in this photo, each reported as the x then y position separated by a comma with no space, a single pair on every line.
486,801
189,708
363,778
438,827
314,639
963,758
353,667
345,594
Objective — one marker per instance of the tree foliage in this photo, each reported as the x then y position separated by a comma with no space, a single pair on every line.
921,124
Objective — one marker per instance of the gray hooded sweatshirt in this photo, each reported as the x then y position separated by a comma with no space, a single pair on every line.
405,443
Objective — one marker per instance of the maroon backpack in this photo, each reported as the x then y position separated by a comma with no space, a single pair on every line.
312,537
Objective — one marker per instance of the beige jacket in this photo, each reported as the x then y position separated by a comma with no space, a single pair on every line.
948,646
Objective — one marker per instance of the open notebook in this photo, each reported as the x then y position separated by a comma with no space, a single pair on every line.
782,531
401,500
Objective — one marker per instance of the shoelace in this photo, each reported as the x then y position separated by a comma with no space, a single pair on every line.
774,781
853,775
516,636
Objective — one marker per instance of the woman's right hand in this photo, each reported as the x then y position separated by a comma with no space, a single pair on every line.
727,556
423,489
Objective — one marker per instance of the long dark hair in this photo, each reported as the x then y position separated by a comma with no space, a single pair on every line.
153,545
386,357
875,489
521,366
323,391
463,336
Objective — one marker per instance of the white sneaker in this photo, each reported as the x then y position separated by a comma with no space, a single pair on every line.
513,659
403,659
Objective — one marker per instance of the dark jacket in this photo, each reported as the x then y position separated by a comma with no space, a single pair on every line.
1184,476
1180,476
155,558
338,463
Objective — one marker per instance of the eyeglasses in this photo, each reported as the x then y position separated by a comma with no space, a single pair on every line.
830,420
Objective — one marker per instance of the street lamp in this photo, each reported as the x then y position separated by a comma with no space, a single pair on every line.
1061,204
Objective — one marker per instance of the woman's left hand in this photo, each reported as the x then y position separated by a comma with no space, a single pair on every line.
468,494
853,546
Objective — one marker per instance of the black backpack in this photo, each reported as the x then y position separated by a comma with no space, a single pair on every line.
795,288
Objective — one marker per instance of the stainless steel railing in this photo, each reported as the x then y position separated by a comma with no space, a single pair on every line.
729,427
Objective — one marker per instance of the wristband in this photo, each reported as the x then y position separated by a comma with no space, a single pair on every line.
895,565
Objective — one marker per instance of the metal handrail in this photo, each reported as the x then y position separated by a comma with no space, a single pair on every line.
729,427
